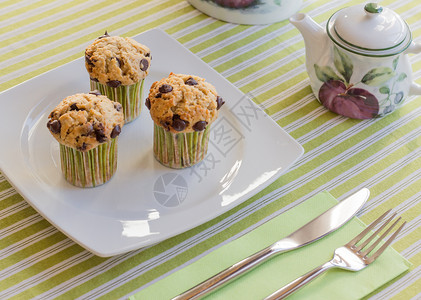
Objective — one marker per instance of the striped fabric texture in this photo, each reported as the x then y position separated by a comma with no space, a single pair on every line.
267,62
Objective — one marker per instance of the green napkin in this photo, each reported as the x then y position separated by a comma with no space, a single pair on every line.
281,269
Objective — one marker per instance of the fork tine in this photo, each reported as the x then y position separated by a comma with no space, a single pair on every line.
366,252
384,246
356,239
375,234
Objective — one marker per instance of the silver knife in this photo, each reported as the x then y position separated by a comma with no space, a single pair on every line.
319,227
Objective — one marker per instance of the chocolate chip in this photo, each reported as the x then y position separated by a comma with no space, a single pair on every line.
54,126
144,64
148,103
199,126
113,83
147,54
165,88
89,61
104,35
191,81
83,147
74,107
219,102
166,125
93,79
118,107
158,95
99,132
178,124
99,126
95,92
116,131
100,135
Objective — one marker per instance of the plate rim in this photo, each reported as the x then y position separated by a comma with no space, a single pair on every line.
24,191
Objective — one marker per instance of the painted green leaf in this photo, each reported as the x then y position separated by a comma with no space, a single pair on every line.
278,2
402,76
378,76
343,64
384,90
395,62
325,73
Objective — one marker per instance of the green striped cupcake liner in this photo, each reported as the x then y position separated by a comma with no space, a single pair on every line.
89,168
180,150
129,96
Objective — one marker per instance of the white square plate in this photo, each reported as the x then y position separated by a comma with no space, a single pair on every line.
144,202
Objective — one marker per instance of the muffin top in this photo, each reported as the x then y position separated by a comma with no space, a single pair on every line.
83,121
115,60
183,103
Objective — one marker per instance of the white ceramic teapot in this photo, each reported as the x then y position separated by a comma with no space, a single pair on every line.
359,66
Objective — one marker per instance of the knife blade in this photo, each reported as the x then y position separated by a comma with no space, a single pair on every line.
317,228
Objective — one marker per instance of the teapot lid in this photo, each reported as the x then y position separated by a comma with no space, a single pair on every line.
370,30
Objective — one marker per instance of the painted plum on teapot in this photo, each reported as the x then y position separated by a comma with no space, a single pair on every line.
360,90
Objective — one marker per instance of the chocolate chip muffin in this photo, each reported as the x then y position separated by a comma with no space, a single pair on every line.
87,127
183,107
117,67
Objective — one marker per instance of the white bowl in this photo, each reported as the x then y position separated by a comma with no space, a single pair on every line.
252,12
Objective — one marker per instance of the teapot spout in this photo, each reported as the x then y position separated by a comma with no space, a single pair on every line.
315,36
414,89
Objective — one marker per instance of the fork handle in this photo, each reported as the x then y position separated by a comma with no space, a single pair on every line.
293,286
226,275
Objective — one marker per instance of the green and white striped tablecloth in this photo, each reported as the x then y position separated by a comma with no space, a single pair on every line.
341,155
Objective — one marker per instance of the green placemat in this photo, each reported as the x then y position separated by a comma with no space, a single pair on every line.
278,271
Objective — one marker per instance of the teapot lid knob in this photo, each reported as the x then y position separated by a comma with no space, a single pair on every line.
373,8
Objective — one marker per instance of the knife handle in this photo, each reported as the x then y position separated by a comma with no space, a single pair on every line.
226,275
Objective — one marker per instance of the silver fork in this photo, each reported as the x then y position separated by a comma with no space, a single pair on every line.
351,256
